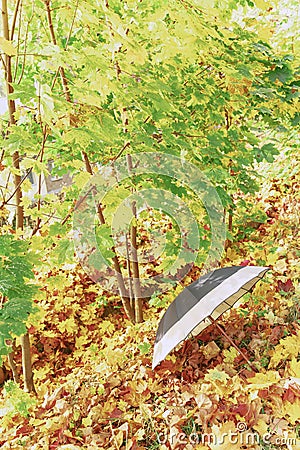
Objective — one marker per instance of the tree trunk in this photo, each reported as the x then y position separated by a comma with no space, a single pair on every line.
134,261
12,121
122,288
26,364
13,365
26,356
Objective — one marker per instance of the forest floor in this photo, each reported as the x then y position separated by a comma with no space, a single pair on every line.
92,367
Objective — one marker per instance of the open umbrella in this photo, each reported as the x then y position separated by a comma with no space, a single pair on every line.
201,303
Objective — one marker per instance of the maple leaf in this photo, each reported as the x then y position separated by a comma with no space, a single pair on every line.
7,47
230,355
215,375
286,349
261,427
263,380
144,348
294,368
203,401
292,410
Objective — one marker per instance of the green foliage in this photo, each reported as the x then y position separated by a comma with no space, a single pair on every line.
195,89
197,80
105,241
158,301
17,401
144,348
17,292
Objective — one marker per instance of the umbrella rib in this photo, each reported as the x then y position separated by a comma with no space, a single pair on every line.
227,303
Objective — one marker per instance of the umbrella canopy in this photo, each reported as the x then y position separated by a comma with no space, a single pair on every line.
202,302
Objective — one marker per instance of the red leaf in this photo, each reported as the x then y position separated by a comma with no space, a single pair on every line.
242,409
25,430
286,287
116,413
289,395
245,263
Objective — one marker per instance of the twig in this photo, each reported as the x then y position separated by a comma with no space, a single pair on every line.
72,24
13,26
121,151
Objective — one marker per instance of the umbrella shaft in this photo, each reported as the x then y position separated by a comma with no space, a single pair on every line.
232,342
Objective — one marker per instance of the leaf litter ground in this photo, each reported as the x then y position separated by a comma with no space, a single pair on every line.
92,368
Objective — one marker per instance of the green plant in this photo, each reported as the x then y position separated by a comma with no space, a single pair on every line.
158,300
191,427
15,273
16,402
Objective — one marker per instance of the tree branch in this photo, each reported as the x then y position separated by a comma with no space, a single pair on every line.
13,26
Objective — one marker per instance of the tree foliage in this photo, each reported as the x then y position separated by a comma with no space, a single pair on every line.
16,290
87,82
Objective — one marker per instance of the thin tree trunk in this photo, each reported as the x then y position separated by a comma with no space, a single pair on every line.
12,364
26,364
134,261
131,294
122,288
136,271
230,221
26,356
12,121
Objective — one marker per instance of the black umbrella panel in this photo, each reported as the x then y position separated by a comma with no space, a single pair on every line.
202,302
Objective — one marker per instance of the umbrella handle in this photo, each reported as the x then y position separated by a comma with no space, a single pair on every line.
232,343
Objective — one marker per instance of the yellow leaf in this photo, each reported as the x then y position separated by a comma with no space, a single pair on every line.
81,341
263,380
37,422
280,266
286,349
218,379
136,55
261,427
203,401
15,171
271,259
172,358
7,47
87,421
232,255
68,325
41,373
107,327
294,368
49,334
292,410
216,375
262,4
230,355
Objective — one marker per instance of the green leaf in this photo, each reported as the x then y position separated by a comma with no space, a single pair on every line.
144,348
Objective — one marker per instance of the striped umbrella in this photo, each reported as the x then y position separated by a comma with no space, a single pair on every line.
201,303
